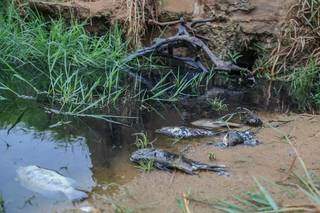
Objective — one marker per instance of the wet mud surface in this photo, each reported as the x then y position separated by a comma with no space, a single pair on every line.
96,155
158,191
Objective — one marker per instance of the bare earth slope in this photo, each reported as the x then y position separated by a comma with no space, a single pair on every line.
238,23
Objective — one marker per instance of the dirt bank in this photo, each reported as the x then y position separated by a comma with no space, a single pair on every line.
157,191
237,25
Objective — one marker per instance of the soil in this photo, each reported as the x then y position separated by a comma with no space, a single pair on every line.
157,191
238,24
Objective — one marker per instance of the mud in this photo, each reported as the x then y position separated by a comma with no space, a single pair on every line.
158,191
96,155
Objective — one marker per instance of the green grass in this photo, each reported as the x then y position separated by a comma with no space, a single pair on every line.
78,74
52,60
260,201
218,105
212,156
304,85
146,166
142,141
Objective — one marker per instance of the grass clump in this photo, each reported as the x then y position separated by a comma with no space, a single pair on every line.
146,165
218,105
260,201
60,63
142,141
300,39
77,74
304,86
212,156
297,53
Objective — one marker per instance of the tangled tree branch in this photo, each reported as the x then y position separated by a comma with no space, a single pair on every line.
163,47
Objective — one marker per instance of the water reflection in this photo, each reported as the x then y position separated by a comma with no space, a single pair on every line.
24,146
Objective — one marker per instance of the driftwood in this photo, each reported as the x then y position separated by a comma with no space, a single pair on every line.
164,47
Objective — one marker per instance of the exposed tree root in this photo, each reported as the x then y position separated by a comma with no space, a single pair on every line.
164,47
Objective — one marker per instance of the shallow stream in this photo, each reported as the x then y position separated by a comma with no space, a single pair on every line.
92,152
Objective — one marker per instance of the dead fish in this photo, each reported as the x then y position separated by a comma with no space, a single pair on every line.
184,132
213,124
164,160
48,183
233,138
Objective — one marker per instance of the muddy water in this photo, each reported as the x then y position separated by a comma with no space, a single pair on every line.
93,153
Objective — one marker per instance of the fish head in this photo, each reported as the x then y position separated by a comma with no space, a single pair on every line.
142,154
26,169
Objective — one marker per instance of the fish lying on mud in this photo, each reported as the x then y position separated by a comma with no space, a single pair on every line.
48,183
213,124
164,160
233,138
184,132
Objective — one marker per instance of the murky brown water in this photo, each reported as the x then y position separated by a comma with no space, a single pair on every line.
96,154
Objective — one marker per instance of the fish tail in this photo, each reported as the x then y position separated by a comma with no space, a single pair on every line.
76,195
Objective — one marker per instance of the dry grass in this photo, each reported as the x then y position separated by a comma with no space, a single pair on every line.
138,13
300,39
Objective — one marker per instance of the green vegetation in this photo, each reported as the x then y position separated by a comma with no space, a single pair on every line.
260,201
183,202
218,105
142,141
234,56
77,74
59,63
212,156
305,87
146,166
297,53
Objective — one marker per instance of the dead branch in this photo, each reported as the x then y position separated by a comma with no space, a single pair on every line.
163,47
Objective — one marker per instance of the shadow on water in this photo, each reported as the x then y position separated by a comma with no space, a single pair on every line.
95,153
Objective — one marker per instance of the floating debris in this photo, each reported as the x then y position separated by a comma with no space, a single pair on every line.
48,183
213,124
234,138
167,161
